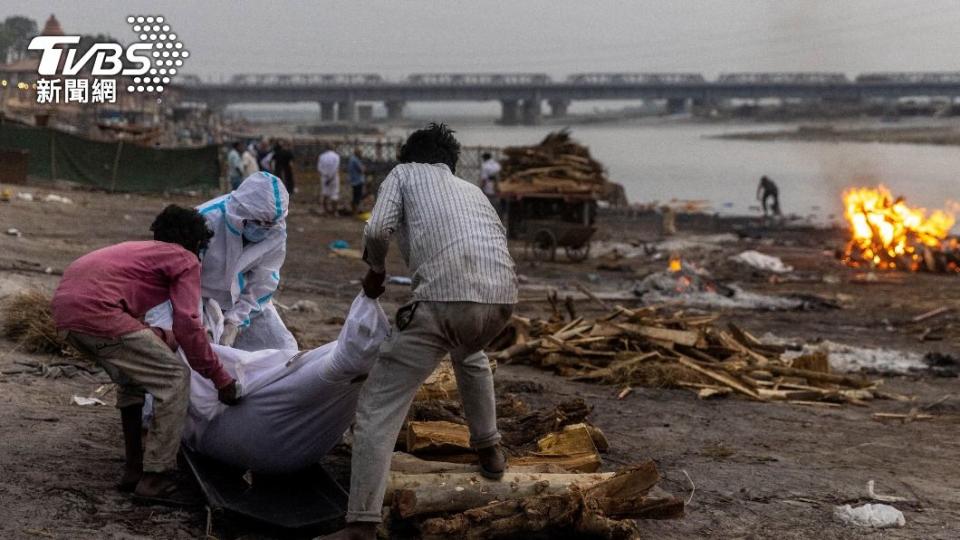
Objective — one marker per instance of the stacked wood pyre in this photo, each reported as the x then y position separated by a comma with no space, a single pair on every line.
652,347
559,164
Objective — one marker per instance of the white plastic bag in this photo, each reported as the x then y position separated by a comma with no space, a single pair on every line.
877,516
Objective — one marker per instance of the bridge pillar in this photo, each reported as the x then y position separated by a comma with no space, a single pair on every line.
510,112
531,112
676,105
558,107
347,111
327,111
394,110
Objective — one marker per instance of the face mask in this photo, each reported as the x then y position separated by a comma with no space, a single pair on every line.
254,233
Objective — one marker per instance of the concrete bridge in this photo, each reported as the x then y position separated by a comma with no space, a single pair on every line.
522,95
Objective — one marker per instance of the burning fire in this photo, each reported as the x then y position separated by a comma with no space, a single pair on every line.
889,235
676,264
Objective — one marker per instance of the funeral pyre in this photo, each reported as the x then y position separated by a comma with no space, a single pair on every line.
558,165
652,346
888,234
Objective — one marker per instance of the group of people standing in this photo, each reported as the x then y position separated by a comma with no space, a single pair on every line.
273,156
277,158
227,254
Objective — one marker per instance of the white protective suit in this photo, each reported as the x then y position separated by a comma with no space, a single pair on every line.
295,406
242,278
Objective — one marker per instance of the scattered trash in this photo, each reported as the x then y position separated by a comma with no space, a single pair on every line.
761,261
877,516
53,197
399,280
14,232
848,358
6,195
24,196
127,217
87,401
339,244
305,306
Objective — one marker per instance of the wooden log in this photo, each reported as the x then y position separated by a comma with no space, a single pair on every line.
584,462
594,511
527,429
683,337
844,380
437,437
417,494
722,378
441,384
573,439
410,464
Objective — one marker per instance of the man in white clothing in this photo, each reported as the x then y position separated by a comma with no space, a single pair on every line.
249,161
489,176
328,165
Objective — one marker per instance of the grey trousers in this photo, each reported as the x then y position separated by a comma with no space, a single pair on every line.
407,358
141,362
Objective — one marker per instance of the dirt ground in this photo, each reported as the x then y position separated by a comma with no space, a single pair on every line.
760,470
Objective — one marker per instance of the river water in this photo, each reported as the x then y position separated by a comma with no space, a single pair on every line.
681,161
658,161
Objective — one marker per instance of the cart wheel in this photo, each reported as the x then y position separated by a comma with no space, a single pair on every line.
544,245
578,253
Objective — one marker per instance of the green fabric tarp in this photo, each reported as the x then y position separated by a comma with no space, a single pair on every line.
139,169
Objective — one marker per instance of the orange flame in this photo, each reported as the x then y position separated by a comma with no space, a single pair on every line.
675,264
888,234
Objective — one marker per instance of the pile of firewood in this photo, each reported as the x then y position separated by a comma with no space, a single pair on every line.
650,347
557,165
552,485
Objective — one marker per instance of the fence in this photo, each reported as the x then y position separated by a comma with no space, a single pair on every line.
112,166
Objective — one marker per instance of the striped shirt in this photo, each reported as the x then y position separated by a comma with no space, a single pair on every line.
449,235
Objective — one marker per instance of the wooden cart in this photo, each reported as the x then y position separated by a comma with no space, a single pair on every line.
547,221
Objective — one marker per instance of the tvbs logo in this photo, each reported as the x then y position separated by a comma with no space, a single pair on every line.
146,65
106,57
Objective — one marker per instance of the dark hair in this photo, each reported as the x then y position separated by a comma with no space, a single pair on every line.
486,156
434,144
183,226
236,144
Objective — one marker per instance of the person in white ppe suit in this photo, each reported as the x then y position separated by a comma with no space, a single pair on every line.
241,266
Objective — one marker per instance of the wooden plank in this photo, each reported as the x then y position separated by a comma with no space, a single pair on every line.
721,378
683,337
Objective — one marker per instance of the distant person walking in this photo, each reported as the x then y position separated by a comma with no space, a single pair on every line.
357,173
767,189
489,176
235,165
328,165
250,160
283,165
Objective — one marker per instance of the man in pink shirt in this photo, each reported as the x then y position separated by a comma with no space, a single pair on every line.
99,306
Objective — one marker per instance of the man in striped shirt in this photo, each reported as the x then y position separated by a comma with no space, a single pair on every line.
464,289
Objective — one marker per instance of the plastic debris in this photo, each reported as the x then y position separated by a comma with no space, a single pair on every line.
87,401
877,516
761,261
24,196
14,232
305,306
339,244
400,280
53,197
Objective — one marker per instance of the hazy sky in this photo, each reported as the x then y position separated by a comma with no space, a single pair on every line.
553,36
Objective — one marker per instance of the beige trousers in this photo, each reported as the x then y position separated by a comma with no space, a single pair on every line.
425,332
141,362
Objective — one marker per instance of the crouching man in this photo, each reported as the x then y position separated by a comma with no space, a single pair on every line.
99,307
464,289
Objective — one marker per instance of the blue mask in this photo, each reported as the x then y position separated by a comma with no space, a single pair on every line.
254,233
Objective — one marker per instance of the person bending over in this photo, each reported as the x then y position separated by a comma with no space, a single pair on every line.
99,307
